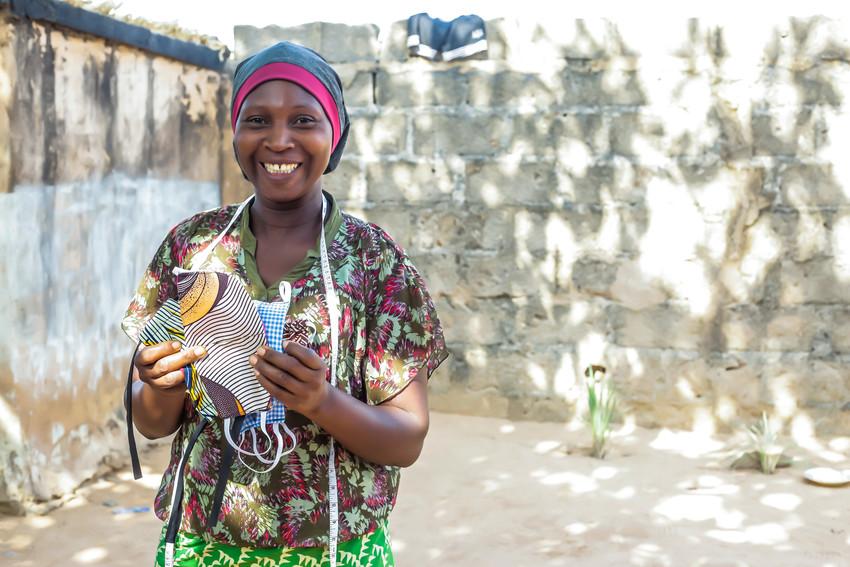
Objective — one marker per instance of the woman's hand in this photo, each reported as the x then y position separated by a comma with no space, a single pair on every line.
160,366
297,377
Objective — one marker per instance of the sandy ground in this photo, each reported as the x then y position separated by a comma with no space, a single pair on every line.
490,492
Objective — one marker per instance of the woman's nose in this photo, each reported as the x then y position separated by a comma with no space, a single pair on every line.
279,138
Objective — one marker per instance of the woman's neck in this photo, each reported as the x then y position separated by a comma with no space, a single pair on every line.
295,217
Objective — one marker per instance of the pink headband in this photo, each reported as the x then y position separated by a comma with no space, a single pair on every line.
297,75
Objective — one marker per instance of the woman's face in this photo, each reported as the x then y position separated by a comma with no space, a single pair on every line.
283,141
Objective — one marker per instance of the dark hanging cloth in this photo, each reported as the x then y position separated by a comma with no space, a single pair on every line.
439,40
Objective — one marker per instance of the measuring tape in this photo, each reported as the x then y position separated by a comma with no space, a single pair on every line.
333,313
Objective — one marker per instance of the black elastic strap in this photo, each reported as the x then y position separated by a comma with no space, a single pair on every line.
177,509
128,406
224,472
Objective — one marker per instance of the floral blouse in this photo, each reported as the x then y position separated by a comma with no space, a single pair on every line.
389,333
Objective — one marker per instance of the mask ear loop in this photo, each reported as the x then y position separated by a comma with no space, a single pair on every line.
239,450
201,258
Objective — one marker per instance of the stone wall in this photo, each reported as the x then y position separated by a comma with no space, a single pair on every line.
103,148
670,200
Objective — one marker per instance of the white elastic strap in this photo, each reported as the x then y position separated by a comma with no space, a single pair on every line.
272,463
236,447
291,438
198,261
333,314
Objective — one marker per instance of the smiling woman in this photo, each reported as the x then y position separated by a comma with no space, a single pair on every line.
350,379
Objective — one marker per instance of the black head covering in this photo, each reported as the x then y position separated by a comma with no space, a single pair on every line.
310,61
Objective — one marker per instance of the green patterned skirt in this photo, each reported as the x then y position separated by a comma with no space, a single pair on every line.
190,550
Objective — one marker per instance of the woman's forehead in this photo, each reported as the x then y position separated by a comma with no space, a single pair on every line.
280,92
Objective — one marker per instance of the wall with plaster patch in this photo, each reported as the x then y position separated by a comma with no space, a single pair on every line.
103,148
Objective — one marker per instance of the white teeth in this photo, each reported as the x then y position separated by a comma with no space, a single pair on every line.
280,167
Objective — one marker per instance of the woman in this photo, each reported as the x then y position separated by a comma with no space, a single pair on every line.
355,391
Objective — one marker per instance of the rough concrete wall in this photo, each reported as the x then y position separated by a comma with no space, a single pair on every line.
670,200
105,149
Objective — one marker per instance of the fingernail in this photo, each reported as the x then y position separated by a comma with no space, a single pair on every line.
261,351
285,342
252,360
199,351
175,345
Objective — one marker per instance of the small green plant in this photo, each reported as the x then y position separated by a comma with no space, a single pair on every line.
764,440
601,406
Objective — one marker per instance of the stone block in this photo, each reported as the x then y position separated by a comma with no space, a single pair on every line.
348,183
498,45
394,46
798,382
804,186
813,282
662,326
495,184
539,372
357,85
483,404
610,87
419,84
637,135
560,320
337,43
840,330
371,136
794,329
513,89
251,39
343,43
787,131
442,274
461,134
479,321
409,182
445,227
498,276
576,139
594,276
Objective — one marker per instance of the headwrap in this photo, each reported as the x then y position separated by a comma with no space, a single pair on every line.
307,69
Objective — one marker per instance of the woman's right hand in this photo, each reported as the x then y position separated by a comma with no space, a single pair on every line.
160,366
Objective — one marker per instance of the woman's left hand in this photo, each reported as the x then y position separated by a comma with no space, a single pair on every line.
297,377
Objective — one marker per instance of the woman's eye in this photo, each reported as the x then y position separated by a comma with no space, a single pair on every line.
304,120
255,120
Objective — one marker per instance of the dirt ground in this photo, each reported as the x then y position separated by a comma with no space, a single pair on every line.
495,493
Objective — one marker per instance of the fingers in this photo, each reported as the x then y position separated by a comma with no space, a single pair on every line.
280,378
177,360
162,364
150,354
293,365
306,356
171,380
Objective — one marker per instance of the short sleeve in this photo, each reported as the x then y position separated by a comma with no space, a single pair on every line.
404,335
156,286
